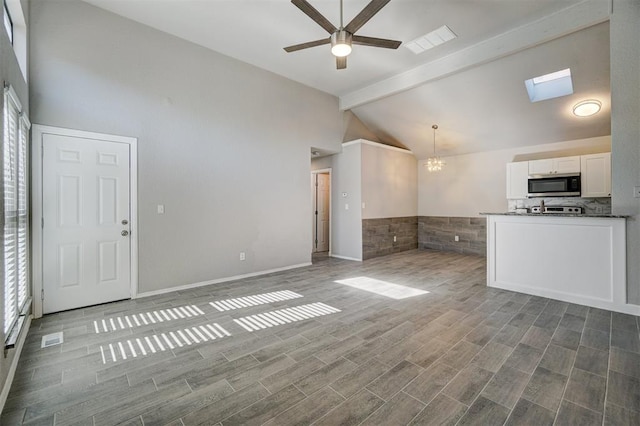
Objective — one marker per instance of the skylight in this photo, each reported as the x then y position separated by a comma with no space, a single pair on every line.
431,40
8,23
549,86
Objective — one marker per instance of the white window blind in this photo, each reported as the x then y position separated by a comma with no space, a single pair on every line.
15,141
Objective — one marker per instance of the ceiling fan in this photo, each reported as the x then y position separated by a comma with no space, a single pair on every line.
342,38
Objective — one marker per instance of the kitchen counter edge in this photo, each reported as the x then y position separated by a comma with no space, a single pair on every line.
606,216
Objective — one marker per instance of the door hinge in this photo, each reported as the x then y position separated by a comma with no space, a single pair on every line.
42,294
316,212
42,223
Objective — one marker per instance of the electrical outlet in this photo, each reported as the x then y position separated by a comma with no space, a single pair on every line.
160,208
242,256
598,209
395,239
456,238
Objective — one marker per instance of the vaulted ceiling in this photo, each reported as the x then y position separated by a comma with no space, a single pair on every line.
472,87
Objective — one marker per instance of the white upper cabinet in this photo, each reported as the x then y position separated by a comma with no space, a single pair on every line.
596,175
560,165
517,174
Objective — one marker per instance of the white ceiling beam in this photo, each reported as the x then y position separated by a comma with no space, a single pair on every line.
574,18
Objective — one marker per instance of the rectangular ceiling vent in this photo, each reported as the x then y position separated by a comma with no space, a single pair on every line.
52,339
431,40
549,86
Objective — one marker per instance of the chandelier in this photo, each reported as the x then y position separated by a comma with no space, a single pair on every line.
435,163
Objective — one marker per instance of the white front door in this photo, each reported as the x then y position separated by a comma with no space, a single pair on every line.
86,216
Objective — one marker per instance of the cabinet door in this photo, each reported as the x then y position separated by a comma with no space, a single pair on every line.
517,178
541,167
564,165
596,175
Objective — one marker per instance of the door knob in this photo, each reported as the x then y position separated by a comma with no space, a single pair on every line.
124,233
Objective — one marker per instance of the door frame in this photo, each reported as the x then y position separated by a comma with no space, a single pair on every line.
313,216
38,131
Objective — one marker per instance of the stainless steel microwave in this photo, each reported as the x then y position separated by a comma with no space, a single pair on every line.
567,185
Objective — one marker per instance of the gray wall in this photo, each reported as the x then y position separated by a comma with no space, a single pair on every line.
9,73
389,182
625,129
346,225
222,144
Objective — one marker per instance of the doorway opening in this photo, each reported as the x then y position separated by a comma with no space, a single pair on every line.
321,214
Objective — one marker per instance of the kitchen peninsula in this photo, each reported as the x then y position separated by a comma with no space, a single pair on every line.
574,258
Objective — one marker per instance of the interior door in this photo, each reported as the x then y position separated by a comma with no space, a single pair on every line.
322,208
86,213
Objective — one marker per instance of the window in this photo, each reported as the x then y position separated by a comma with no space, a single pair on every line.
8,23
15,245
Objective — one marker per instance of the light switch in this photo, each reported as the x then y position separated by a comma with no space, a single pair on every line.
160,208
346,206
363,205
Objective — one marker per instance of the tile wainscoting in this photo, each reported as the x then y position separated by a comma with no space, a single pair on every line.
439,233
377,236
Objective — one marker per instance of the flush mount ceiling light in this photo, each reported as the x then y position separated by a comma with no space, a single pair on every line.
435,163
587,108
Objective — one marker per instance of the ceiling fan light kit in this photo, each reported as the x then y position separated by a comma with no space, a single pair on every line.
341,43
342,39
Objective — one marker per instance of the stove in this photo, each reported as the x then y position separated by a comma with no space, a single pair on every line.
558,210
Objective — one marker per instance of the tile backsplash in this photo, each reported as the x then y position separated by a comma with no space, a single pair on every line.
589,205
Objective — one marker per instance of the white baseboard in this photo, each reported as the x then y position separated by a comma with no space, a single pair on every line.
608,305
14,363
345,257
218,281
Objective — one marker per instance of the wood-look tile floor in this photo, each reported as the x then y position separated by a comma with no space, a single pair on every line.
461,354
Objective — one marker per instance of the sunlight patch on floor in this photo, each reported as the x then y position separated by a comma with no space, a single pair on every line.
255,300
147,318
383,288
147,345
284,316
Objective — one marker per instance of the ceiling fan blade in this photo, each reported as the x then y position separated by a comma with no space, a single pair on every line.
312,13
341,62
376,42
307,45
365,14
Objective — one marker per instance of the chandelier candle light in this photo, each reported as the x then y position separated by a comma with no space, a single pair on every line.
434,164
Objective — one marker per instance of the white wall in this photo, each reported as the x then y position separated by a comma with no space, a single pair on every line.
474,183
389,182
625,129
222,144
346,178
